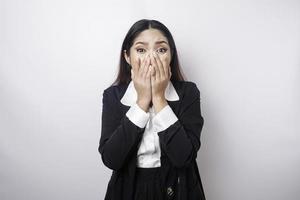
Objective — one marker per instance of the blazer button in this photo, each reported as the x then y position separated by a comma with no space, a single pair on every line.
170,191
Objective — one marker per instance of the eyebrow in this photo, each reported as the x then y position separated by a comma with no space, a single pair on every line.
158,42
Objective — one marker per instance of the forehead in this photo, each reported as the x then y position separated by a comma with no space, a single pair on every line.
149,36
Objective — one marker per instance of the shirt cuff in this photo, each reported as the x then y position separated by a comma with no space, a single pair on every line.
164,118
138,116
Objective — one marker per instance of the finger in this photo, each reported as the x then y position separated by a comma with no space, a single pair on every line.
152,79
136,70
142,67
167,68
149,72
140,62
157,71
159,65
132,68
146,67
153,71
162,67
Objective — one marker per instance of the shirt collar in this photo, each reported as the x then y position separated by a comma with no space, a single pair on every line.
130,95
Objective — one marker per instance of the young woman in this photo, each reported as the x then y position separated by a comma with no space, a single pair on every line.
151,121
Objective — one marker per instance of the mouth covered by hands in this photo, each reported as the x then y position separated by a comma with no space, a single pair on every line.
150,80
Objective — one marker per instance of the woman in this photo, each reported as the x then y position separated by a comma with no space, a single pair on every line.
151,121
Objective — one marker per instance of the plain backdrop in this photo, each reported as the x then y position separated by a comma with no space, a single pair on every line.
57,57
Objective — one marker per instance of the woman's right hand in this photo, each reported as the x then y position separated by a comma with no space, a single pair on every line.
141,79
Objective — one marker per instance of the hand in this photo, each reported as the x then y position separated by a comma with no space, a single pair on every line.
141,79
159,81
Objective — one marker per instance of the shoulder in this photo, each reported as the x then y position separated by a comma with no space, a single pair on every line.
186,89
114,92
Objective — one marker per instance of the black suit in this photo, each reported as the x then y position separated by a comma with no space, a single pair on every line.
179,143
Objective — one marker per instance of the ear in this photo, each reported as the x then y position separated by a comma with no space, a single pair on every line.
127,58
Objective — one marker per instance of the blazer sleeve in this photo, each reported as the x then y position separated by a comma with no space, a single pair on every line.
119,135
181,140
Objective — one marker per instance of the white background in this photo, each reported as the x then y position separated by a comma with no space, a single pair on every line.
56,58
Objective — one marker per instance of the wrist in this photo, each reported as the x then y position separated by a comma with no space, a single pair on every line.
159,104
143,105
158,100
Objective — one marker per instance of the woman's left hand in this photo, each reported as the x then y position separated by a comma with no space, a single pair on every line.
159,78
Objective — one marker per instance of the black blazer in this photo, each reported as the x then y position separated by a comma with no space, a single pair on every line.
179,143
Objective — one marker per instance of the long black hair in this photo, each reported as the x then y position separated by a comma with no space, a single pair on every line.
124,74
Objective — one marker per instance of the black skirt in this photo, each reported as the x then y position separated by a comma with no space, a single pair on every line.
148,184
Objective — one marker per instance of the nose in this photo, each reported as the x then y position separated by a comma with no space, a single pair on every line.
149,53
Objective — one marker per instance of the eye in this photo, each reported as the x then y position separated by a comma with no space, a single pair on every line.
162,50
140,50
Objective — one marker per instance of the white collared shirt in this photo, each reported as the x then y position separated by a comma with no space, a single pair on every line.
149,152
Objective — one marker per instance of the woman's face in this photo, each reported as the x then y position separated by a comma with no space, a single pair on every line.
149,41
